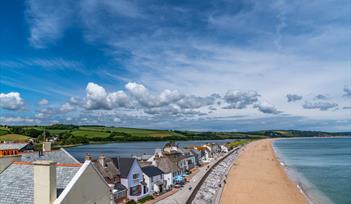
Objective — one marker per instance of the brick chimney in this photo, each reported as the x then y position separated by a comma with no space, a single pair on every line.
102,160
46,146
44,182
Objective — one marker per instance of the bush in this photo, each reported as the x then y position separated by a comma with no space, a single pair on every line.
146,198
131,202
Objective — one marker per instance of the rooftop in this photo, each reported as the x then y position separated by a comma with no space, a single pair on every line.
17,180
4,146
151,171
124,165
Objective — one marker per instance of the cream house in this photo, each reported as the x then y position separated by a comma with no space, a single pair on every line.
52,177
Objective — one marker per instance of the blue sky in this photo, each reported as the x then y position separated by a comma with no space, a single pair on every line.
200,65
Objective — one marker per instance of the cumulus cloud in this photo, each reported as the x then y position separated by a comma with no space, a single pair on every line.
98,98
347,91
66,107
11,101
43,102
266,107
194,102
145,98
239,99
293,97
323,106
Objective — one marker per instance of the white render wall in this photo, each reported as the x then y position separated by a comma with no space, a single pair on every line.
169,179
130,182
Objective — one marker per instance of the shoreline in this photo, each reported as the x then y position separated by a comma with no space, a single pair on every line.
259,177
301,181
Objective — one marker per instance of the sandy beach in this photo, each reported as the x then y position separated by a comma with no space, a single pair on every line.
258,178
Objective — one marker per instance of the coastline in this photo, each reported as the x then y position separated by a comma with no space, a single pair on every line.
259,177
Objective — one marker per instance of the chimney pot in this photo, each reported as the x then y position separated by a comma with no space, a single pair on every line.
46,146
102,160
88,157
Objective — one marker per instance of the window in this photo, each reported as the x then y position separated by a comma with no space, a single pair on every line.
135,176
152,179
135,190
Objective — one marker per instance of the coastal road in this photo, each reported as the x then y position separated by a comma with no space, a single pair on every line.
182,196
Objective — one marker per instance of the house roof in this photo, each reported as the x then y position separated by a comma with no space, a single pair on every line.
124,165
4,146
151,171
17,182
166,165
110,172
60,156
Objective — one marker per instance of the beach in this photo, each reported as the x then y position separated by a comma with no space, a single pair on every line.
258,177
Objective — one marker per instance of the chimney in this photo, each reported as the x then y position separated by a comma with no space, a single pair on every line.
102,160
44,182
88,157
46,146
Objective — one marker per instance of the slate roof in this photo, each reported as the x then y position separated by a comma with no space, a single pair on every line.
151,171
59,156
123,165
16,182
4,146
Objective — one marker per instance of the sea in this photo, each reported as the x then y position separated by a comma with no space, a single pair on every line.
320,166
129,149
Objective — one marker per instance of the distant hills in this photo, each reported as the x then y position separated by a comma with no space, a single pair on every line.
66,134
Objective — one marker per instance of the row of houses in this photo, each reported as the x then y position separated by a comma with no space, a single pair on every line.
57,177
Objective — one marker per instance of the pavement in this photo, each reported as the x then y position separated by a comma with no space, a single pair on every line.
181,196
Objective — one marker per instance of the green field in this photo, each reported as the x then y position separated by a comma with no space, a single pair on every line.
90,133
14,138
132,131
74,134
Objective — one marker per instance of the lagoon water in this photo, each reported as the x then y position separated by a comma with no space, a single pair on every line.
321,166
128,149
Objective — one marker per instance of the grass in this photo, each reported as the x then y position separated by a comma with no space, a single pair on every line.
14,138
232,145
3,132
132,131
90,133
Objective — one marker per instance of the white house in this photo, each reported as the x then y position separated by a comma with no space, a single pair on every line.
131,177
154,179
224,149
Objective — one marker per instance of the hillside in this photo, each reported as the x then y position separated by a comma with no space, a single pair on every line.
73,134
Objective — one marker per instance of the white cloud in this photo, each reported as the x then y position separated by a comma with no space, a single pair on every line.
17,120
98,98
266,107
238,99
66,107
11,101
145,98
43,102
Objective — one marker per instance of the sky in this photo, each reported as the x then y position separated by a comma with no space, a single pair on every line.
197,65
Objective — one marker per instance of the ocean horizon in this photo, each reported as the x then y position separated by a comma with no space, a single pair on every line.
321,167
